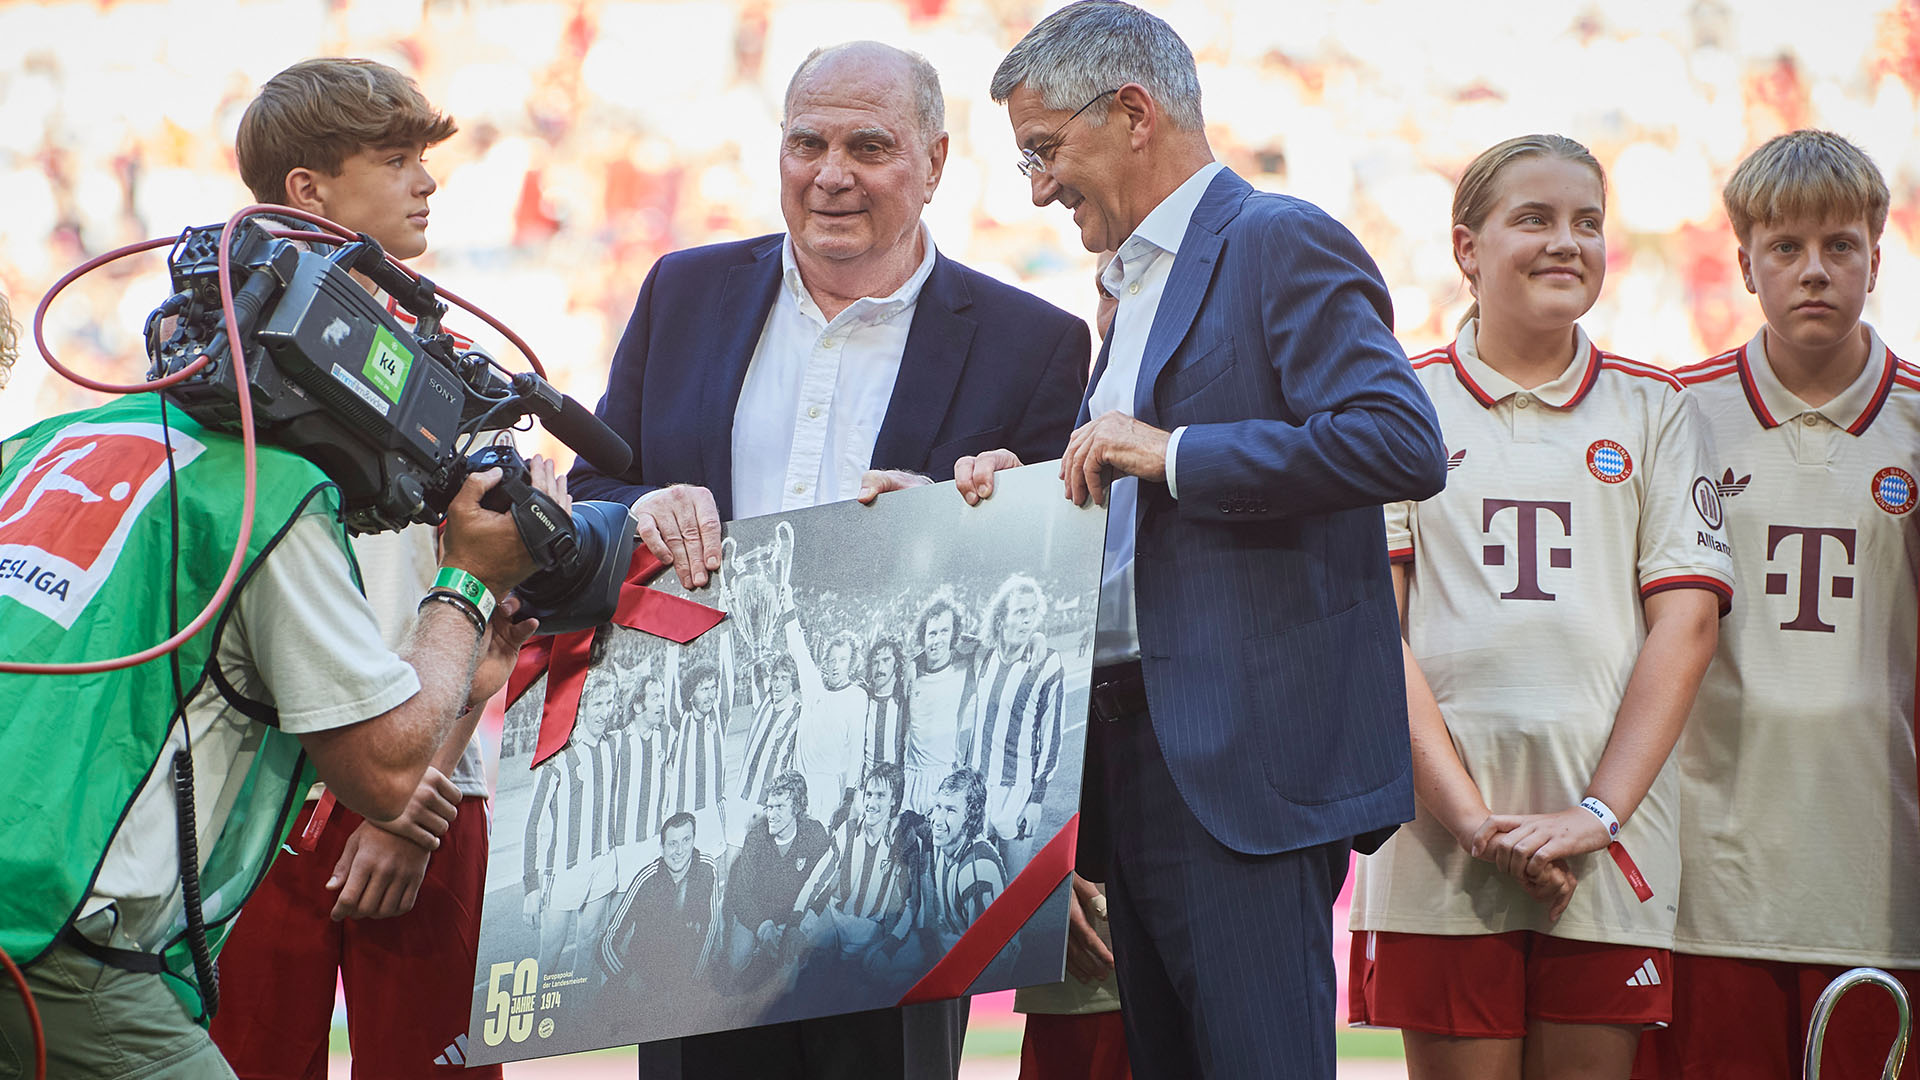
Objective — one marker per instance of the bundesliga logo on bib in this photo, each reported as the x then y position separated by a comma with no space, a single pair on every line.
66,516
1893,490
1608,461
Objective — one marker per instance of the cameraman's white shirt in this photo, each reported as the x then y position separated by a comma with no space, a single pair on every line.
302,639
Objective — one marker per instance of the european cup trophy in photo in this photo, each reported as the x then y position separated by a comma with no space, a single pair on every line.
856,790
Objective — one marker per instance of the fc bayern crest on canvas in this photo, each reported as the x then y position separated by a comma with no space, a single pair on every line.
855,790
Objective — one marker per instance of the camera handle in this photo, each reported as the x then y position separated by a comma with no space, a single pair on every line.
545,528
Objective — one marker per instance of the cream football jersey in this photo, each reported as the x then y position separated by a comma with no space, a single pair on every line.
1797,765
1566,506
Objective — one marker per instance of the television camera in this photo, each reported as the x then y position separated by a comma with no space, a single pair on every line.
388,412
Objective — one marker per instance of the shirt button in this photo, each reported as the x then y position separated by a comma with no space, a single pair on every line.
1810,420
813,412
799,489
828,343
1134,289
1520,401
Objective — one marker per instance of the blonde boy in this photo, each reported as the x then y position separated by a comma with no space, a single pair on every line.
1799,846
346,139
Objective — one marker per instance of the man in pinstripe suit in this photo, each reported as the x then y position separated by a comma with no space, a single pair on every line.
1249,414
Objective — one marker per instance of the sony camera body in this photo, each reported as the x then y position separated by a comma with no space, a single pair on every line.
386,411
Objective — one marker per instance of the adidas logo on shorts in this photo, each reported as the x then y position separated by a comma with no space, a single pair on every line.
1646,976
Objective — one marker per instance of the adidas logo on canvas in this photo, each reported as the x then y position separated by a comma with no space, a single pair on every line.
1646,976
455,1053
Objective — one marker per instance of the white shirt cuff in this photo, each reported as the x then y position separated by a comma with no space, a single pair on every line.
1173,451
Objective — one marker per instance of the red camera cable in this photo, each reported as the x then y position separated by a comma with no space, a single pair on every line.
33,1017
335,234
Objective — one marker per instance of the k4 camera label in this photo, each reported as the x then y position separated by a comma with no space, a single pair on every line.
515,995
387,364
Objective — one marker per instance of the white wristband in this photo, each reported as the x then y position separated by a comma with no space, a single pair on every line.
1604,812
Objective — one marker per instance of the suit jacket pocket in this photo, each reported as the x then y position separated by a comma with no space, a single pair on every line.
1329,708
940,459
1192,377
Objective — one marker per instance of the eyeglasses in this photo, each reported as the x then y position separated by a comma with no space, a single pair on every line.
1031,161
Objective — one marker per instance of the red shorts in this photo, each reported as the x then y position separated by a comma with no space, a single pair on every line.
409,980
1492,986
1080,1046
1748,1019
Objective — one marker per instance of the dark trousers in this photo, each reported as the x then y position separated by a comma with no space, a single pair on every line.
1225,959
911,1043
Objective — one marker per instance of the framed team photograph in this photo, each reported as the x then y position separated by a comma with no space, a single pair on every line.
829,802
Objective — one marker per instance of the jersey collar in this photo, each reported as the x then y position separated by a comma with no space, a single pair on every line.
1852,409
1489,387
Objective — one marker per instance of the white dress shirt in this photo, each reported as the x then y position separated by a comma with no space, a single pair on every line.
1137,277
816,392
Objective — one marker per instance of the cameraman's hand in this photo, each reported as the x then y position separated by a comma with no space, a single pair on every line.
429,814
680,524
378,875
504,638
482,542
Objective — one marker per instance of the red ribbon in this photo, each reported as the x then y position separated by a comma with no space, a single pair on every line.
309,837
989,934
563,657
1635,878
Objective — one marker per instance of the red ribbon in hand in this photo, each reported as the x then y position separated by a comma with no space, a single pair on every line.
563,657
955,972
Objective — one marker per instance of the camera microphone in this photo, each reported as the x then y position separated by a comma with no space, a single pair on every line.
590,437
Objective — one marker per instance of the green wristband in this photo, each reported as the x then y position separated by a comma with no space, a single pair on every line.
467,587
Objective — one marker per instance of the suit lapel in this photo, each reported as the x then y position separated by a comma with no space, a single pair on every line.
750,290
930,366
1187,283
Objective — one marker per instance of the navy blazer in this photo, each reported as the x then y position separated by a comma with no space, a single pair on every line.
985,366
1269,634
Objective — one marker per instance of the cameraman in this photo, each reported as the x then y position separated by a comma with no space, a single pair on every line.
116,525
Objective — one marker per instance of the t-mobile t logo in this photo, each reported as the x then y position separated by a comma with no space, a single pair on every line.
1812,540
1528,543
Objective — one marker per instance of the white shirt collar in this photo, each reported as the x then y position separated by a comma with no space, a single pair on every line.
1861,400
1563,391
867,309
1164,226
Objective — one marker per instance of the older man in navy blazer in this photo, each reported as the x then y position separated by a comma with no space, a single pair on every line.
845,358
1249,414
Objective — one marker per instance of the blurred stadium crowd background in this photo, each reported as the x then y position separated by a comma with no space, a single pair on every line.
597,135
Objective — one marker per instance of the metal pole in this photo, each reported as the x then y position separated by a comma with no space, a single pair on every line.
1830,997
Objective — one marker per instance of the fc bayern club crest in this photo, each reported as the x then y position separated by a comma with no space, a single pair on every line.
1608,461
1893,490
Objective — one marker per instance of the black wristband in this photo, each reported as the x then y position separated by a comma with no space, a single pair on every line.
460,603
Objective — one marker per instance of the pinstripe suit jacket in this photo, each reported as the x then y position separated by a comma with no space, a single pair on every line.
1268,630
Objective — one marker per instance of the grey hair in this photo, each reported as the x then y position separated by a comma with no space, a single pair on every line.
1093,46
929,104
